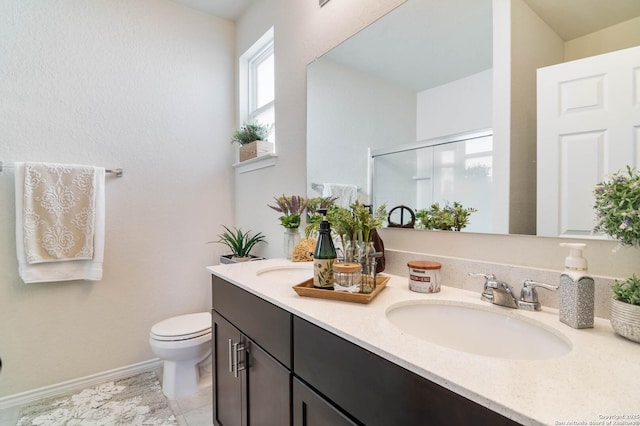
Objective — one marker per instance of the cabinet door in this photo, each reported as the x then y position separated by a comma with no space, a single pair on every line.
229,402
268,388
310,409
376,391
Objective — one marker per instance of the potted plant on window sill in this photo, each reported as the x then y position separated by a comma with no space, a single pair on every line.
240,244
617,204
252,140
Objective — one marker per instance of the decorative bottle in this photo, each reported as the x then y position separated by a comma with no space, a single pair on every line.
577,289
324,256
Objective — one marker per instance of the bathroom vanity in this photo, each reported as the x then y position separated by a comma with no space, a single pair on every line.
280,358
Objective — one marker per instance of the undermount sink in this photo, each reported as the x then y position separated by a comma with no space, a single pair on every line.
287,274
472,329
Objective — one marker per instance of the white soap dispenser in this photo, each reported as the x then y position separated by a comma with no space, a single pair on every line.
577,289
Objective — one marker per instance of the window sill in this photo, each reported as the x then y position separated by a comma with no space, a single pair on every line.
264,161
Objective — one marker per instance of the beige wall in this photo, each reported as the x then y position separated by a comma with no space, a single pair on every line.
616,37
146,85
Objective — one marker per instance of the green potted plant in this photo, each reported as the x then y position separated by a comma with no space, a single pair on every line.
447,218
617,206
239,243
625,308
252,138
314,218
291,208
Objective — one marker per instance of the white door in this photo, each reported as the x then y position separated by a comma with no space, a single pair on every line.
588,127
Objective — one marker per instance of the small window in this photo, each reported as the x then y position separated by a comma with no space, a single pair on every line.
257,84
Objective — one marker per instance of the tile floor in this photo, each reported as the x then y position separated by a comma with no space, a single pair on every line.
196,410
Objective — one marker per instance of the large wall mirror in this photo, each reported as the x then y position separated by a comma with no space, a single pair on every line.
429,70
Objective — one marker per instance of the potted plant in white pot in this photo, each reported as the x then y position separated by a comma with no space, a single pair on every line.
252,138
617,204
291,209
240,244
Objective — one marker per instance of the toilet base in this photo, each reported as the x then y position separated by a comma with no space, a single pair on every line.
179,379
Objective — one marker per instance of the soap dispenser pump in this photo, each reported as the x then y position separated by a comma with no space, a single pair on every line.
577,289
324,255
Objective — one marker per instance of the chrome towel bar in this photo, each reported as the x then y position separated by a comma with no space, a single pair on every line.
118,172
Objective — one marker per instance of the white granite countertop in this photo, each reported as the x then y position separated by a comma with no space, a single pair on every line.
596,383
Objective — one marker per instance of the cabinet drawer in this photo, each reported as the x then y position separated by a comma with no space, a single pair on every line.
266,324
374,390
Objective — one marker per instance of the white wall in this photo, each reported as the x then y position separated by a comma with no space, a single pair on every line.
468,100
304,32
146,85
349,112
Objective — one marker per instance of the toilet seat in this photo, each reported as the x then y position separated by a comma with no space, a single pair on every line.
183,327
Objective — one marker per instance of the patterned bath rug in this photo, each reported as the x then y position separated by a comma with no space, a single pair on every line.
136,400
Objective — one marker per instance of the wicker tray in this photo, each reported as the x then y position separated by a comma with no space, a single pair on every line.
307,289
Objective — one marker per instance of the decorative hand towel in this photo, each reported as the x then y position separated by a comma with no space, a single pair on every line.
59,222
347,194
58,212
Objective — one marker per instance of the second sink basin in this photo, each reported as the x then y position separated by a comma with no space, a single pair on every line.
287,274
470,328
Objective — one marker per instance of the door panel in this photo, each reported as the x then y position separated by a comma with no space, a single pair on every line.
588,127
227,389
310,409
269,384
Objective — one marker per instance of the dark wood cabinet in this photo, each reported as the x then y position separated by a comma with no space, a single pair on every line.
274,368
229,390
250,385
310,409
374,390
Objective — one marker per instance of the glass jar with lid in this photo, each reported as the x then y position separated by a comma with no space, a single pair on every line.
347,277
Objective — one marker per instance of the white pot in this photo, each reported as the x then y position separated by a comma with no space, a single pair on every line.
625,319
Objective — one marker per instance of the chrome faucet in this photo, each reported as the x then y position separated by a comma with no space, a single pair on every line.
501,293
497,292
529,295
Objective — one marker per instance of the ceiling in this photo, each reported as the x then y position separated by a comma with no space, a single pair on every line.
569,18
574,18
227,9
426,43
423,43
437,35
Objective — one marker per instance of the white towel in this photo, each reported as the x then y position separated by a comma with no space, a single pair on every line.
347,194
65,270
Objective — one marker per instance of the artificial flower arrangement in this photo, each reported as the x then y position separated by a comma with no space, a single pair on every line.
447,218
313,217
617,205
291,208
353,226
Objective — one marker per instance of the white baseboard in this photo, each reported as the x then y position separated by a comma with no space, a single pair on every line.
59,389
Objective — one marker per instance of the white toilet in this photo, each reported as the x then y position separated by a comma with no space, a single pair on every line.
182,342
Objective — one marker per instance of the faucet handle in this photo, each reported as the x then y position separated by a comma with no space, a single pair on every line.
529,295
490,284
490,279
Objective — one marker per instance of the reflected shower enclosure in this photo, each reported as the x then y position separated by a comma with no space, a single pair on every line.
456,168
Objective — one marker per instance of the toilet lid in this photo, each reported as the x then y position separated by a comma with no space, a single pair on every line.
182,327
